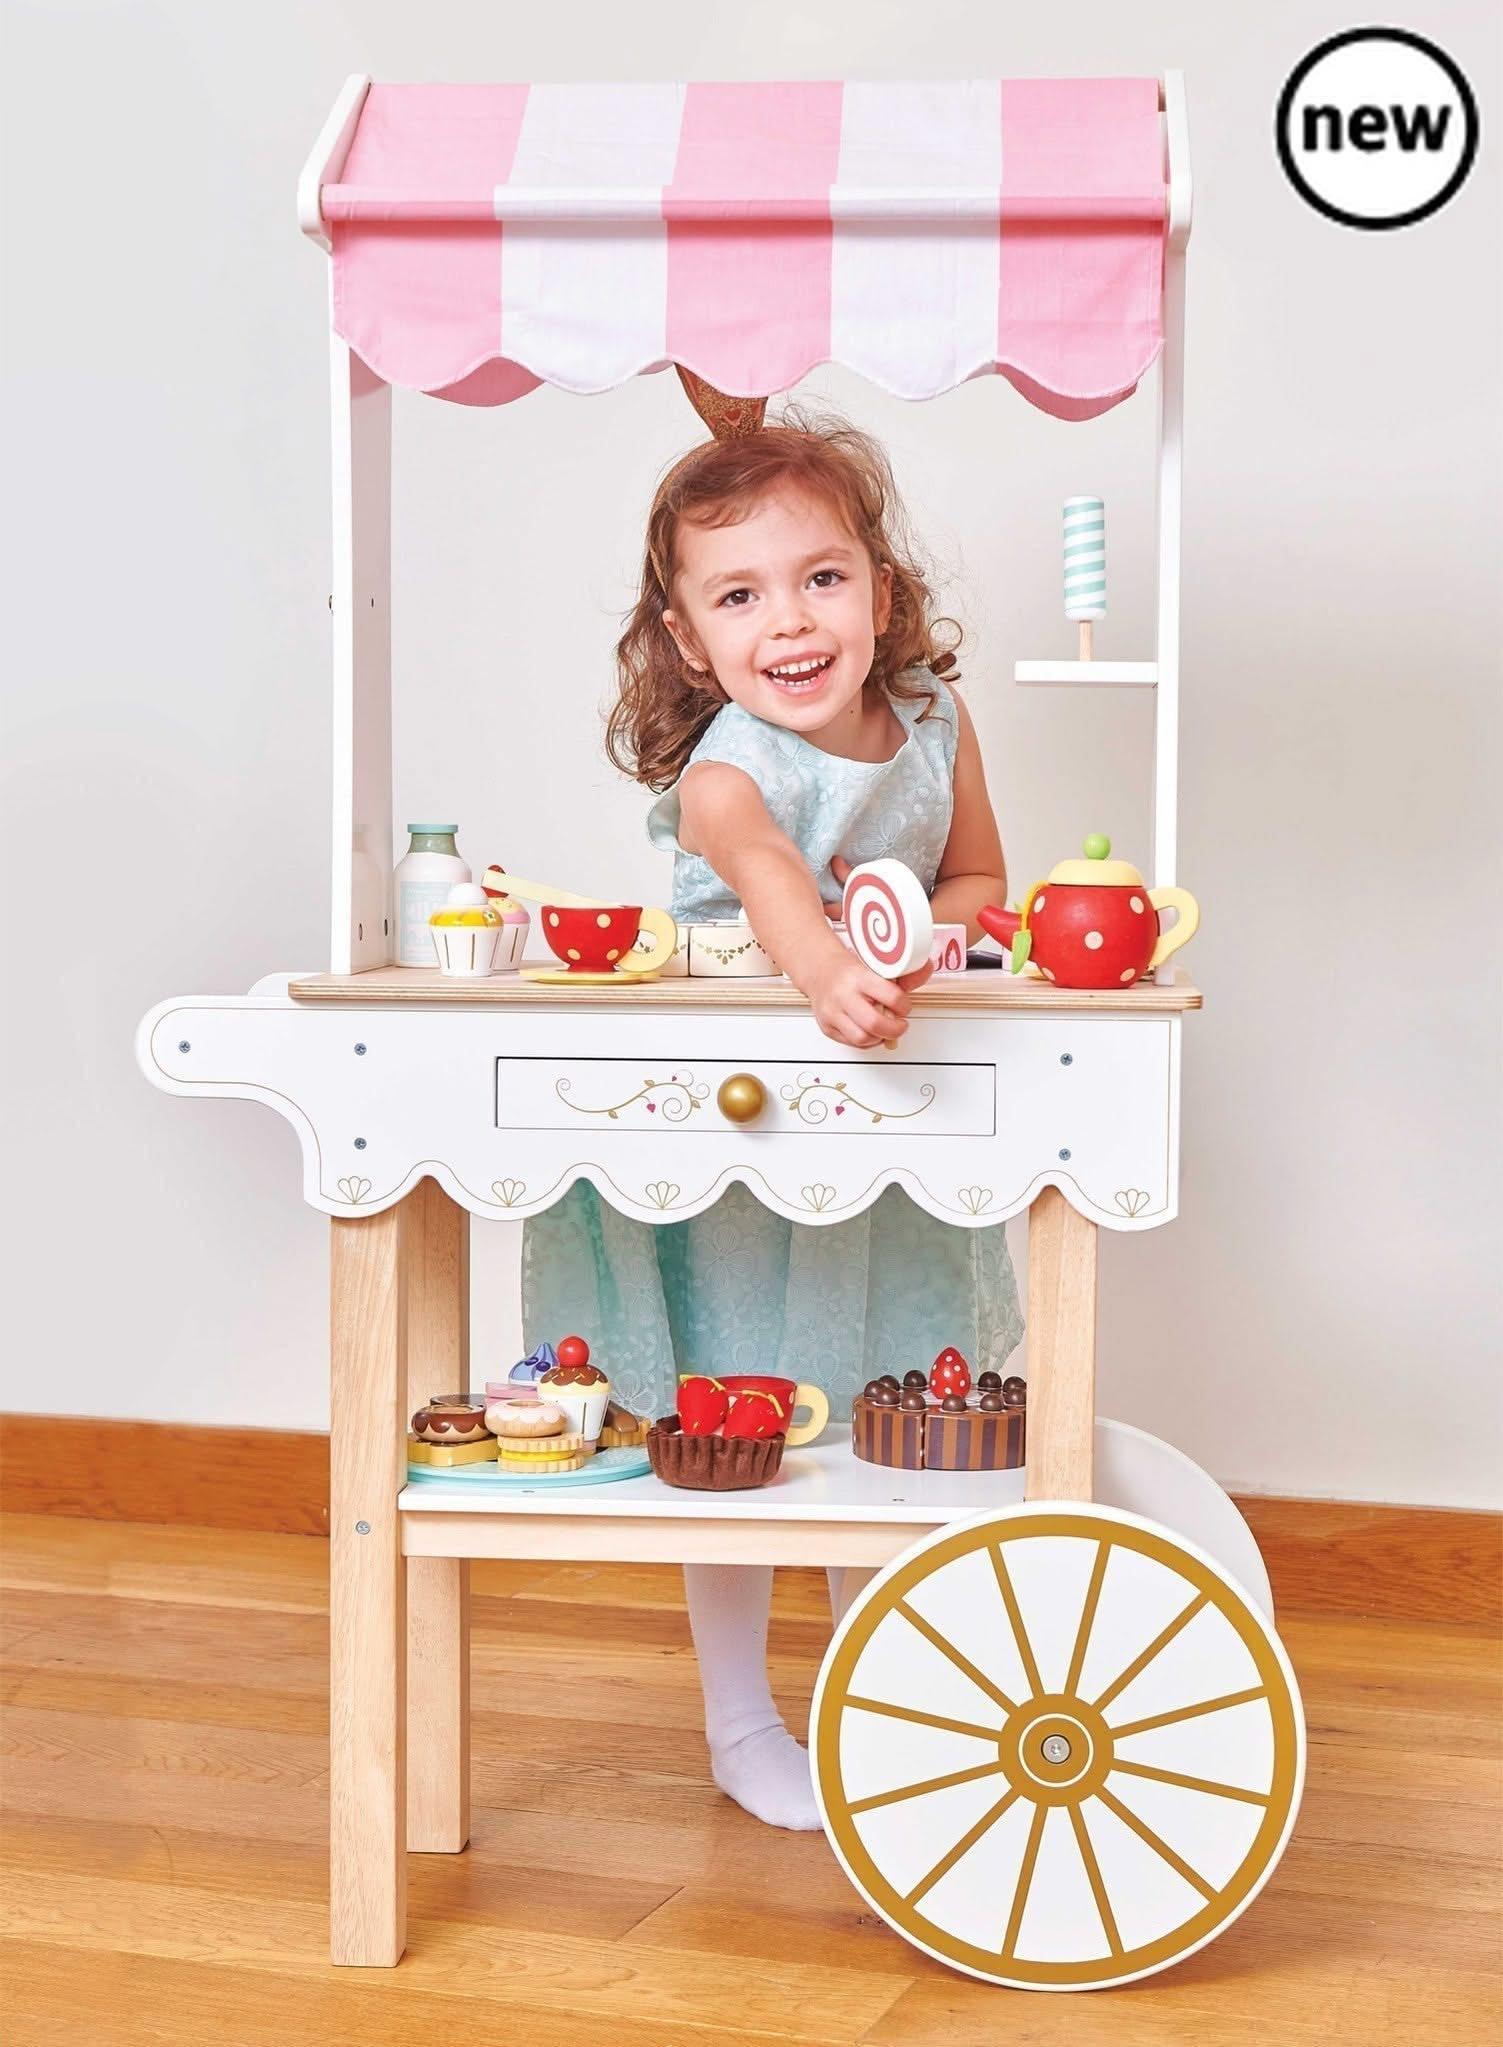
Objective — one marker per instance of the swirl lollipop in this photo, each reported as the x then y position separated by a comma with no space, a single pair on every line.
888,917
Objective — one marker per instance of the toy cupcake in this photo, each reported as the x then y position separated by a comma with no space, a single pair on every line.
578,1387
467,933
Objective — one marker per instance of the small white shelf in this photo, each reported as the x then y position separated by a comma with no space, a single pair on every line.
1089,674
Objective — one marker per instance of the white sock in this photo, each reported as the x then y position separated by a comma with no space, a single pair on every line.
753,1757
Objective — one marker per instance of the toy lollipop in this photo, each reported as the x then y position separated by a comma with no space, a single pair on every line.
1085,566
887,914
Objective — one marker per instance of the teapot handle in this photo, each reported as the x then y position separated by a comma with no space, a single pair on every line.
1189,922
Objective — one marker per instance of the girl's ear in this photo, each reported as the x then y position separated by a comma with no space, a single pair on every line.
685,646
882,599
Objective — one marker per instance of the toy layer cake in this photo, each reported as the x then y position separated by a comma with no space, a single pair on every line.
937,1422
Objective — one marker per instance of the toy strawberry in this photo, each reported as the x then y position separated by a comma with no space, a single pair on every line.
702,1404
755,1413
951,1374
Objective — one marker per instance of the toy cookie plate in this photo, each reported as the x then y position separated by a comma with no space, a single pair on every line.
600,1469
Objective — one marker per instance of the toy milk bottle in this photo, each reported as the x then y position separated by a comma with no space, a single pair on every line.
423,880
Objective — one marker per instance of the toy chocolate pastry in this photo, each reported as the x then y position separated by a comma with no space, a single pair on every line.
622,1430
942,1424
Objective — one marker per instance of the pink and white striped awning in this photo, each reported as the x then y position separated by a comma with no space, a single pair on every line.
487,238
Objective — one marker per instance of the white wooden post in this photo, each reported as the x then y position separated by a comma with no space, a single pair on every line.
1171,410
361,911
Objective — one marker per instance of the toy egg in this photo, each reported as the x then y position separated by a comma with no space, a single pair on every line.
467,933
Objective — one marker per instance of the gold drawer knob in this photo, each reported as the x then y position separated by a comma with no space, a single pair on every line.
741,1097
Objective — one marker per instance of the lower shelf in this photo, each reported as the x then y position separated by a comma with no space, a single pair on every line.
824,1507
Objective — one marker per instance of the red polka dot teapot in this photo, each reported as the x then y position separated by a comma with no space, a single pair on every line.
1093,924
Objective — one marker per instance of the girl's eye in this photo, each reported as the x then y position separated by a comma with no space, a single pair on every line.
731,596
834,575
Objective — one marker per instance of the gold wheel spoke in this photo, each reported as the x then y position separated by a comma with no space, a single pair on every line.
1189,1712
1093,1873
961,1661
1025,1883
1160,1848
922,1790
1087,1618
1015,1616
966,1842
1191,1783
926,1719
1160,1641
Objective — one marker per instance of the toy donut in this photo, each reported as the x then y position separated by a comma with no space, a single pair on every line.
513,1418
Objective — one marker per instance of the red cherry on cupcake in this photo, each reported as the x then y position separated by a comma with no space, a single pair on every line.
951,1374
573,1351
702,1404
755,1413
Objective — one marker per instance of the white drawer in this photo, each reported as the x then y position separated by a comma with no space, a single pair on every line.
880,1098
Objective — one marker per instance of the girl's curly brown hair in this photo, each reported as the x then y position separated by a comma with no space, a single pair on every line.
663,706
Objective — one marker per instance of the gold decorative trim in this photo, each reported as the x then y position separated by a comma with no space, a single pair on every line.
806,1097
678,1097
354,1189
508,1192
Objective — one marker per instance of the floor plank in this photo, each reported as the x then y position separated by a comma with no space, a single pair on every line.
163,1864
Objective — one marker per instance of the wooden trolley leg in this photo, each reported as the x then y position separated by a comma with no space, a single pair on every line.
367,1619
438,1588
1061,1350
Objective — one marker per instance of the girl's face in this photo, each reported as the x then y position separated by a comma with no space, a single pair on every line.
783,609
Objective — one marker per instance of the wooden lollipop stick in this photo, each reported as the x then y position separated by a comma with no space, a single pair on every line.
501,881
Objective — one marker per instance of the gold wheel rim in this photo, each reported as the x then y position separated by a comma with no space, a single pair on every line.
1073,1773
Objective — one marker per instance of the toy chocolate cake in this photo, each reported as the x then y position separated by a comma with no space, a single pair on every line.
937,1422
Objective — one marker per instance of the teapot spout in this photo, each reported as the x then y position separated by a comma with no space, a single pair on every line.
1000,924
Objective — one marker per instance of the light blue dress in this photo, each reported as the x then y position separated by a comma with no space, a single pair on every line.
738,1288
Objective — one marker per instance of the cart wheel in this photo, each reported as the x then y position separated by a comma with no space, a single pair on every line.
1057,1748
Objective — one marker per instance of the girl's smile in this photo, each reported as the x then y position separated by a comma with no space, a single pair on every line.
783,609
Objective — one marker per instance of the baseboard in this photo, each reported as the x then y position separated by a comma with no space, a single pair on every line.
271,1479
1326,1557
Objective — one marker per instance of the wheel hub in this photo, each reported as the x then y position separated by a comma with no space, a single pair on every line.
1055,1750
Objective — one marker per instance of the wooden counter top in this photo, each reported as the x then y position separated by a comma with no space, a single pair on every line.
983,989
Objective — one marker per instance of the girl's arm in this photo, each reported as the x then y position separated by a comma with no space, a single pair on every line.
971,868
722,818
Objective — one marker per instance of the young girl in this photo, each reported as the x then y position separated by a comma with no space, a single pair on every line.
779,678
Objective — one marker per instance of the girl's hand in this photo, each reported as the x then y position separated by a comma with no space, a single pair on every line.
856,1007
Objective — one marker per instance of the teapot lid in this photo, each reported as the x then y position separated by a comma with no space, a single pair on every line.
1097,870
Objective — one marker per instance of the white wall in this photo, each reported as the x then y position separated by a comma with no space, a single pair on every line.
1324,1319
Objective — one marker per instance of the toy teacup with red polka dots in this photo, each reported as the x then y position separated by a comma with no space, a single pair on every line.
1093,923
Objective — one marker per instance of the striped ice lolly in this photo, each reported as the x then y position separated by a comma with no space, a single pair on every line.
1085,558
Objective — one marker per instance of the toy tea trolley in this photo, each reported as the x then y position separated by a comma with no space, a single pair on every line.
1056,1743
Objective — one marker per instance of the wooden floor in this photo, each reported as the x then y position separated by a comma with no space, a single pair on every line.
163,1847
